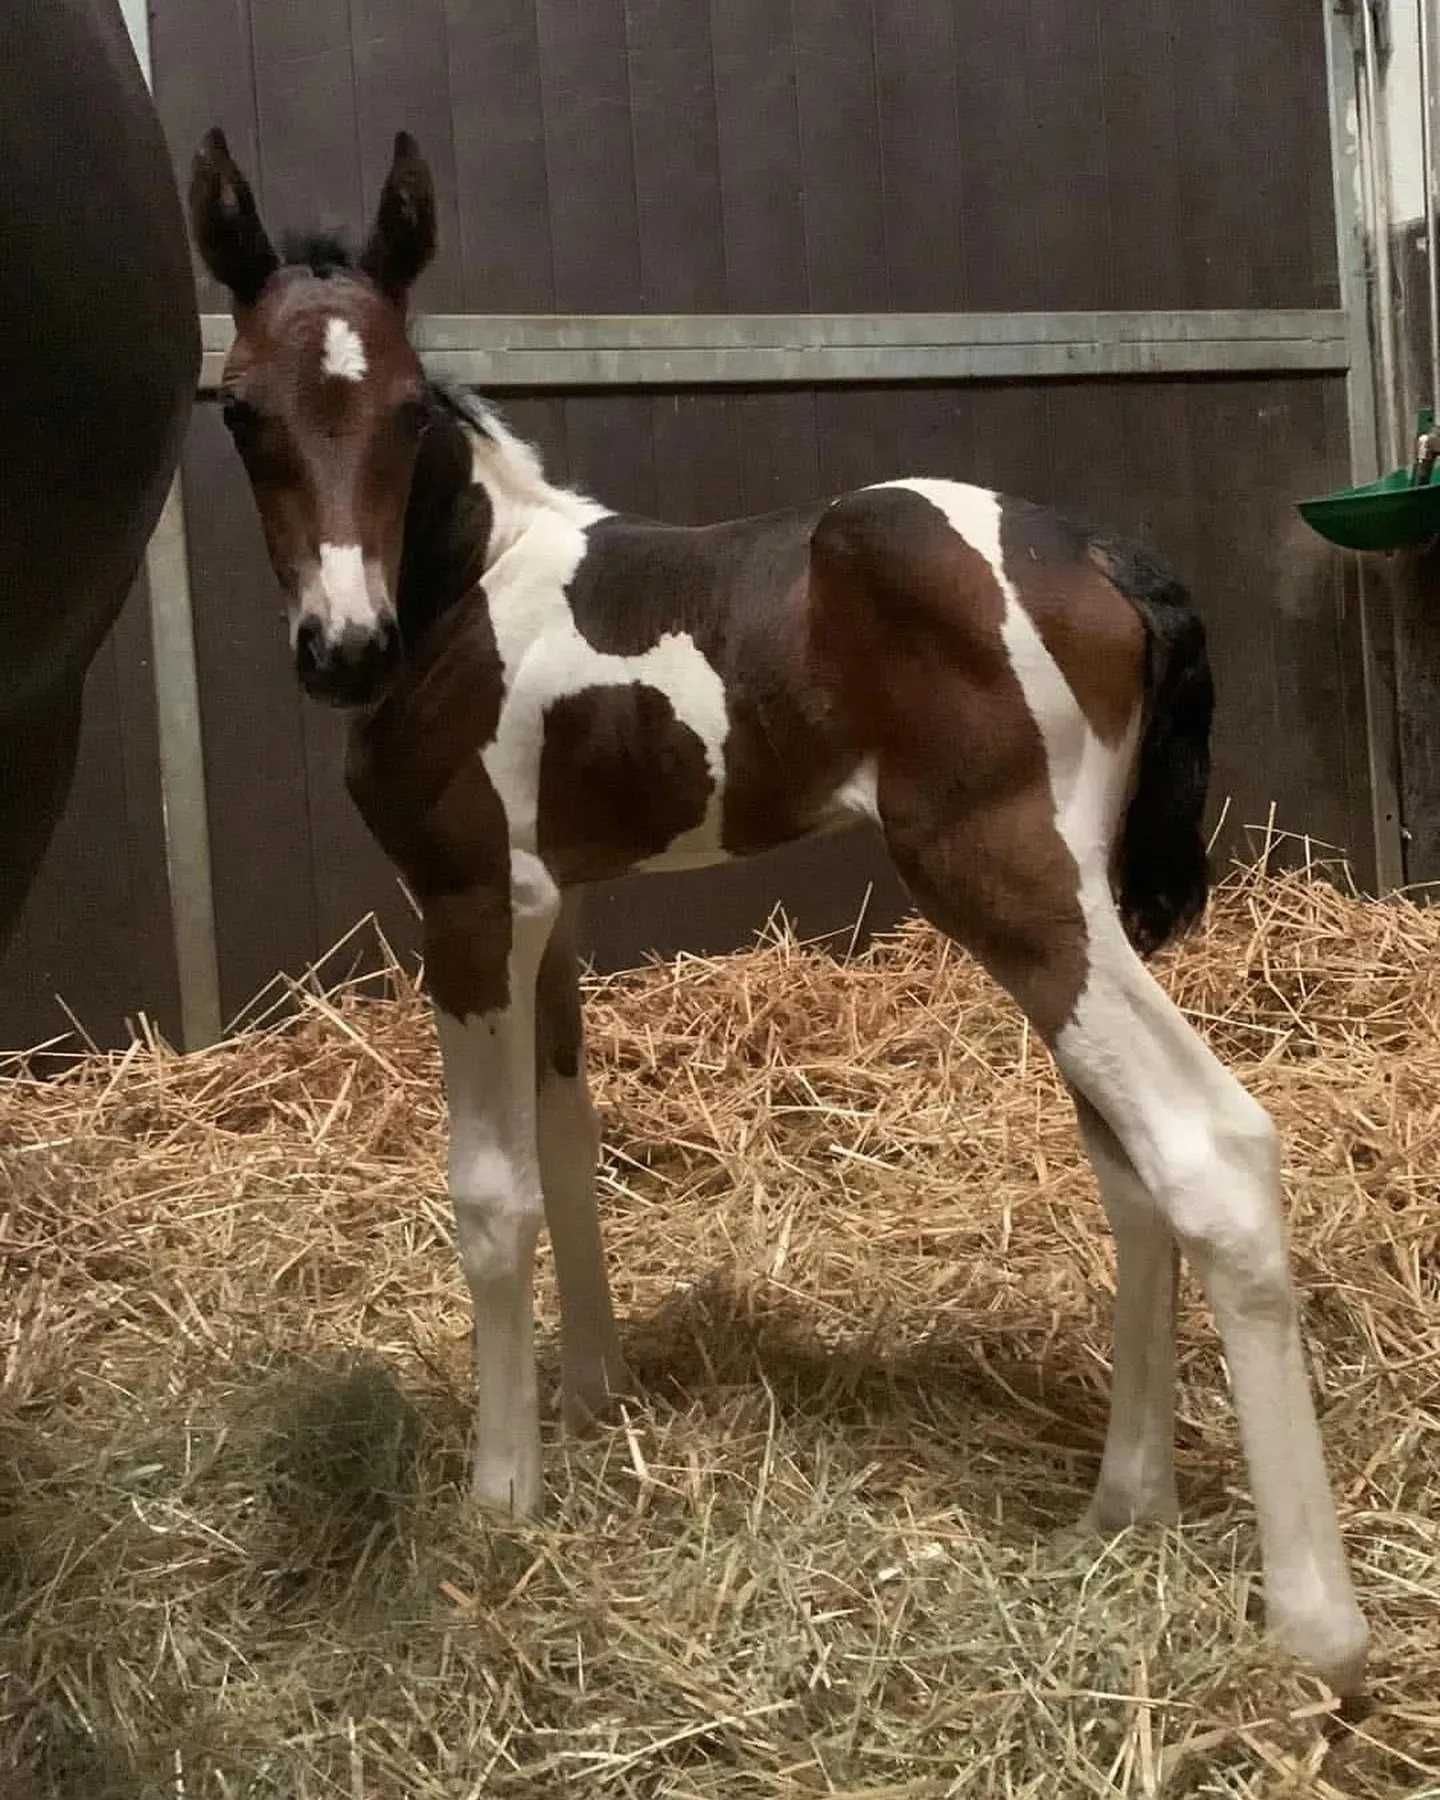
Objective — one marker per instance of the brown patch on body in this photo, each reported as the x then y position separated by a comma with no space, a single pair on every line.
620,778
414,771
905,630
740,590
467,951
1093,632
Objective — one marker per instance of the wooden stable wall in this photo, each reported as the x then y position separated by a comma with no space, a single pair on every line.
840,155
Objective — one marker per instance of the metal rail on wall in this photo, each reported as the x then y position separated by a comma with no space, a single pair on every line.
570,353
644,350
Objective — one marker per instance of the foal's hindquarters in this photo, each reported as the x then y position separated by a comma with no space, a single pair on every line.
1012,785
1028,731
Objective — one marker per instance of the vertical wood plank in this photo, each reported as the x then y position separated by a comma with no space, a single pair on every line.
540,420
502,188
204,74
839,154
923,193
402,83
254,745
612,454
590,155
1008,425
1139,77
676,155
760,182
697,459
1004,164
1068,121
350,874
310,168
779,451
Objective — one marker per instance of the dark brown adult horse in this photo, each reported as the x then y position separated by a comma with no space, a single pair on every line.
99,353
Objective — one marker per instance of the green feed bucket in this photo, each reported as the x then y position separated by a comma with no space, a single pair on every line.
1403,508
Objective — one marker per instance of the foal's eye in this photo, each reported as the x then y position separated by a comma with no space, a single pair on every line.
414,415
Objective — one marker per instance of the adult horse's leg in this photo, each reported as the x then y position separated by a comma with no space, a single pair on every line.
483,955
99,354
593,1371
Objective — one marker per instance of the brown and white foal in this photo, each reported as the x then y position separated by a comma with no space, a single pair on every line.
548,693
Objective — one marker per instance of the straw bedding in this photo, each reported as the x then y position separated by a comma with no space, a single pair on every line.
865,1285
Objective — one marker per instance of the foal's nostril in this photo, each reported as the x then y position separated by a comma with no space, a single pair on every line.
387,643
351,669
310,649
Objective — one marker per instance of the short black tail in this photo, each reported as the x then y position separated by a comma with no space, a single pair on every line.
1162,875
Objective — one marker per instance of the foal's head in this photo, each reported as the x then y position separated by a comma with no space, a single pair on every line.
326,401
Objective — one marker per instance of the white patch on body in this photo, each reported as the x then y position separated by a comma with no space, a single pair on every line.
342,590
1204,1151
344,357
1087,778
545,658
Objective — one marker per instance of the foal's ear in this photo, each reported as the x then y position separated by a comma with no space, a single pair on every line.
402,239
226,224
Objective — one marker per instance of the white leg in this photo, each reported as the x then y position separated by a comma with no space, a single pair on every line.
1209,1155
1137,1472
495,1187
593,1371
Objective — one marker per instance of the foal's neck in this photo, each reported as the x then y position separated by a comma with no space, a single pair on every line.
447,530
514,480
476,492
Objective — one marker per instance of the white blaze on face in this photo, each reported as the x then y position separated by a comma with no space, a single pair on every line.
344,351
342,590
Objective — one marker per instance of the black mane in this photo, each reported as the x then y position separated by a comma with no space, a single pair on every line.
462,404
324,253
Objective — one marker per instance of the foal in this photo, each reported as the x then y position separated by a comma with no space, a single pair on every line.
547,693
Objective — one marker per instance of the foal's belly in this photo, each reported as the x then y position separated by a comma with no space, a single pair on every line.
620,781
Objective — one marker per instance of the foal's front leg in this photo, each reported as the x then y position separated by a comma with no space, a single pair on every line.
475,950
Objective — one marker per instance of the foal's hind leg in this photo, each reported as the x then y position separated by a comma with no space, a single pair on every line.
1202,1149
1209,1155
593,1371
1137,1472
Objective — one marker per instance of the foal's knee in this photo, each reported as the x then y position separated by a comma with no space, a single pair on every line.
497,1220
1219,1187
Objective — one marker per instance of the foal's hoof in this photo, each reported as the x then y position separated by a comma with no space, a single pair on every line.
1335,1644
1110,1511
589,1401
509,1492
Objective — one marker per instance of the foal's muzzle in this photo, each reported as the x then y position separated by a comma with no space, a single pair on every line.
352,669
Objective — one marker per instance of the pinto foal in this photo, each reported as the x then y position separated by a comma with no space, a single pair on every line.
547,693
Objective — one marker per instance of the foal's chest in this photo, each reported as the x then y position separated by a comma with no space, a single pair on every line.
603,760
